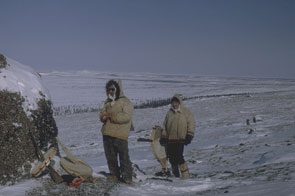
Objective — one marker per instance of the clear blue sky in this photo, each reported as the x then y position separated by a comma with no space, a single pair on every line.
203,37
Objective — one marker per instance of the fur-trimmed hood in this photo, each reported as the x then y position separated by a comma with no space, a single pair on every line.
178,97
118,85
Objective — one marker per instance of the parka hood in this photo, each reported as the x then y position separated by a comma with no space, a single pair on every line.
118,85
178,97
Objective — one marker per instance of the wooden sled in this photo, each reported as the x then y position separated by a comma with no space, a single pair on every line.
41,165
158,150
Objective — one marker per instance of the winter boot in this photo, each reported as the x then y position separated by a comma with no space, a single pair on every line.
175,171
127,181
184,171
164,173
113,178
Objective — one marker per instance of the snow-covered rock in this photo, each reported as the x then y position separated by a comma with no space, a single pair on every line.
24,106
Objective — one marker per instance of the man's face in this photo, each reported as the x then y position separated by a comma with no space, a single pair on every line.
175,105
111,90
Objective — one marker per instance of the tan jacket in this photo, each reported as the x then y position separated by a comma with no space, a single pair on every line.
178,124
121,110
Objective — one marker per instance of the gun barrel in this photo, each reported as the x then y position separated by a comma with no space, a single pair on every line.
144,140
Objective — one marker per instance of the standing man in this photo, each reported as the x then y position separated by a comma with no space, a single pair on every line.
116,117
178,130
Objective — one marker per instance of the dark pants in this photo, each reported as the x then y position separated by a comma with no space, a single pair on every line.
114,147
175,153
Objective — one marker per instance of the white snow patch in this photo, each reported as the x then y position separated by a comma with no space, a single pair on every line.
19,189
289,157
177,187
17,124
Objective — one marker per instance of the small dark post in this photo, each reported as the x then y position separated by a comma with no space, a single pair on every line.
254,119
248,122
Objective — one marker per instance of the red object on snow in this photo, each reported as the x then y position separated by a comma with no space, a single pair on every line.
76,182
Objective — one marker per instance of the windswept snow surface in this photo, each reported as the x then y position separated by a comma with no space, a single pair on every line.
225,157
88,87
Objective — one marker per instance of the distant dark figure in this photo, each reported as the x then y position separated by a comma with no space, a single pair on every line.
254,119
248,121
250,131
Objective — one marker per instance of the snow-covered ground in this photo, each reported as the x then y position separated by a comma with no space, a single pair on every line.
223,157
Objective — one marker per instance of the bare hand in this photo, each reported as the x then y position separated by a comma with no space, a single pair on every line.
104,117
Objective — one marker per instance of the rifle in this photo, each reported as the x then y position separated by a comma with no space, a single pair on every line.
54,175
144,140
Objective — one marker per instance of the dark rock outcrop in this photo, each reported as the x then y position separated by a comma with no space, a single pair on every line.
3,61
17,151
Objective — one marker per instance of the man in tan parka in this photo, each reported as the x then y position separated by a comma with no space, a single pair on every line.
116,117
178,130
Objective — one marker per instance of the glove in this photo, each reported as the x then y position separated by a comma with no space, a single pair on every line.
163,141
188,139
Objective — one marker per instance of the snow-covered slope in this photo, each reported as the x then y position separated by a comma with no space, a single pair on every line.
20,78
